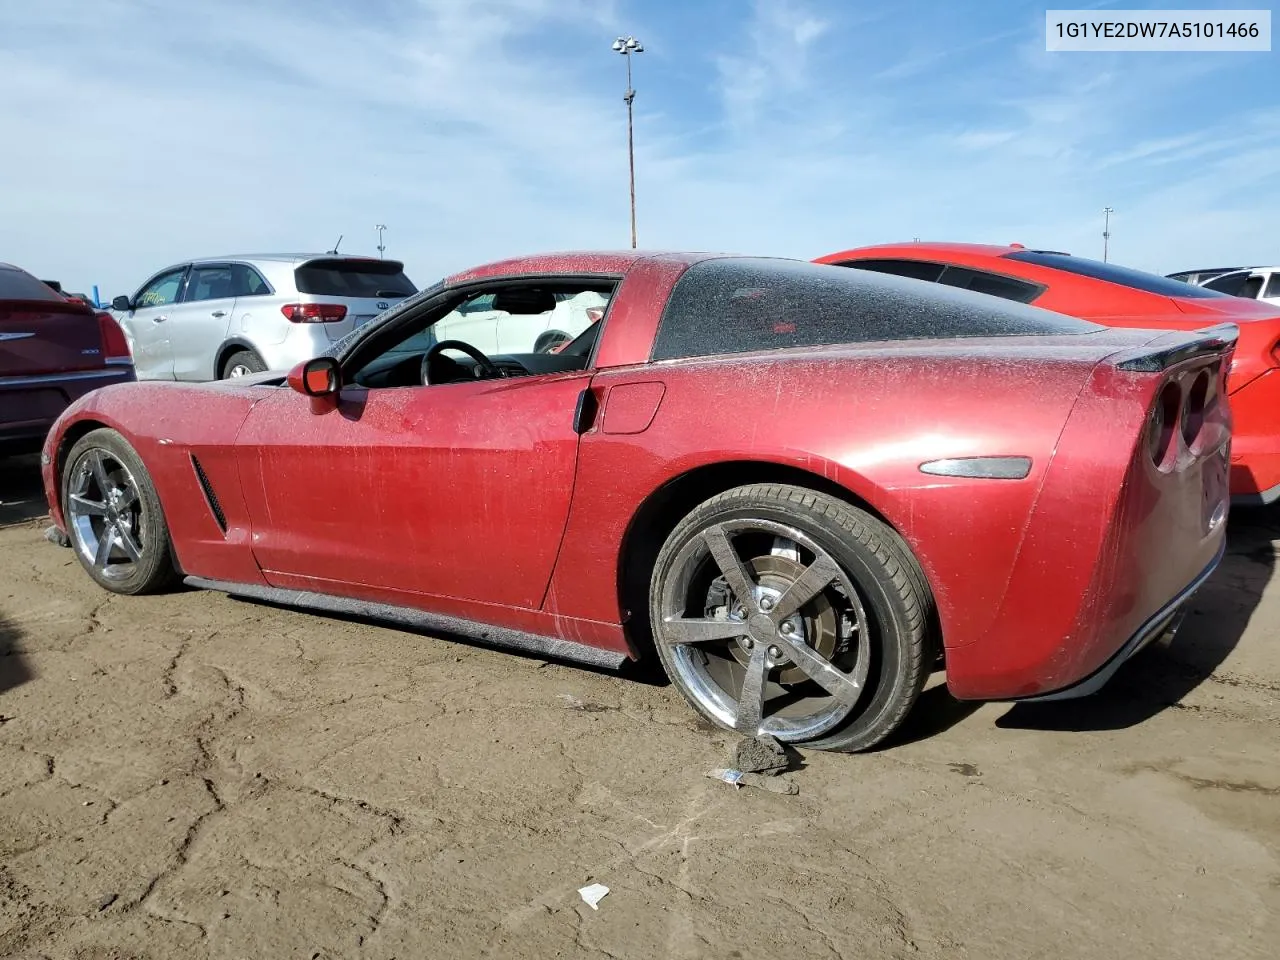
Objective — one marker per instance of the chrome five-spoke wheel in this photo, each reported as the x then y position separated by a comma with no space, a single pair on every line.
104,513
113,516
769,618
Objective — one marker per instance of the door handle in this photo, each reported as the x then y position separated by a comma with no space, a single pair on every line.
584,413
160,319
218,313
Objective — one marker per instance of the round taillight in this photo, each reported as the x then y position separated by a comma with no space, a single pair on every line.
1194,408
1164,422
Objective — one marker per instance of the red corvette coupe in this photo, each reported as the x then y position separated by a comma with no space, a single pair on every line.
1120,297
796,484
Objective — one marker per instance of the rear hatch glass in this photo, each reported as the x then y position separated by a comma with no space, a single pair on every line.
358,279
40,332
364,287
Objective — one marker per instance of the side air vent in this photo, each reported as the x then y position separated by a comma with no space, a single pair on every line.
210,497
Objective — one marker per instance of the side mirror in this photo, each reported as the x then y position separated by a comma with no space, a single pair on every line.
123,304
316,378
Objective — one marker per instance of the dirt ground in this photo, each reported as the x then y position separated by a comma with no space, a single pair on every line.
194,776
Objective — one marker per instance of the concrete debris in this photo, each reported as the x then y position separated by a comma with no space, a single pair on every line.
763,754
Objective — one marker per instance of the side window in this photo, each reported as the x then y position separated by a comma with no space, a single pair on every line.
980,281
247,282
161,291
1252,288
210,283
1229,283
1273,285
916,269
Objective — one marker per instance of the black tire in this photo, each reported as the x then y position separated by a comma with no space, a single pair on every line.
247,360
155,569
891,595
549,340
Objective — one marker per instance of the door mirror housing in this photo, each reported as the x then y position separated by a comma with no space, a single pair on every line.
122,303
320,377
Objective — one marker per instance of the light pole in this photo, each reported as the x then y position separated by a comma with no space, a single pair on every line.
1106,231
627,46
380,227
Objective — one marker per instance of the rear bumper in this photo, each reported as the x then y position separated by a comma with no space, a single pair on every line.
1255,443
1154,627
1261,498
30,404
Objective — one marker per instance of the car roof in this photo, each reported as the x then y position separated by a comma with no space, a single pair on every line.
1245,270
919,247
281,257
575,261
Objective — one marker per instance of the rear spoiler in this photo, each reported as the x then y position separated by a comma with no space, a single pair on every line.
1164,352
8,307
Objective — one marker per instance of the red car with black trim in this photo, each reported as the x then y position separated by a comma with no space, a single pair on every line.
1118,296
795,485
53,350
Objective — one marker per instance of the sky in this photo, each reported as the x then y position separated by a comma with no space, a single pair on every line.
138,133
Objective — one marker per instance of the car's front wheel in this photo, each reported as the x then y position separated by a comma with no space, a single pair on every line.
780,610
113,516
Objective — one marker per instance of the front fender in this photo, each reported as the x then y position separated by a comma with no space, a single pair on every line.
172,426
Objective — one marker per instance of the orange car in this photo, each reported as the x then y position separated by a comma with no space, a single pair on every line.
1121,297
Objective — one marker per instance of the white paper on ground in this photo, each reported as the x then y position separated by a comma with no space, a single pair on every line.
593,894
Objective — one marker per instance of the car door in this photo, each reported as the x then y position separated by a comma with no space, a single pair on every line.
146,324
198,324
515,332
474,322
457,491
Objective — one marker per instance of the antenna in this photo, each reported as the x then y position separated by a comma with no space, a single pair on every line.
336,245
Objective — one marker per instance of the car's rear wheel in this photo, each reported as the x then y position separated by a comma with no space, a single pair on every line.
113,515
780,610
242,363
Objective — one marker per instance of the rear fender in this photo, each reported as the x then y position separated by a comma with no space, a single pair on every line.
1112,538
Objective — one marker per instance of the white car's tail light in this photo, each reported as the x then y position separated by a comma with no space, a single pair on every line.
314,312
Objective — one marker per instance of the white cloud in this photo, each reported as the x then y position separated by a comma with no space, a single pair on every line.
138,133
773,56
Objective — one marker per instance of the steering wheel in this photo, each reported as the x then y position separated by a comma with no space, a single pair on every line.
432,356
